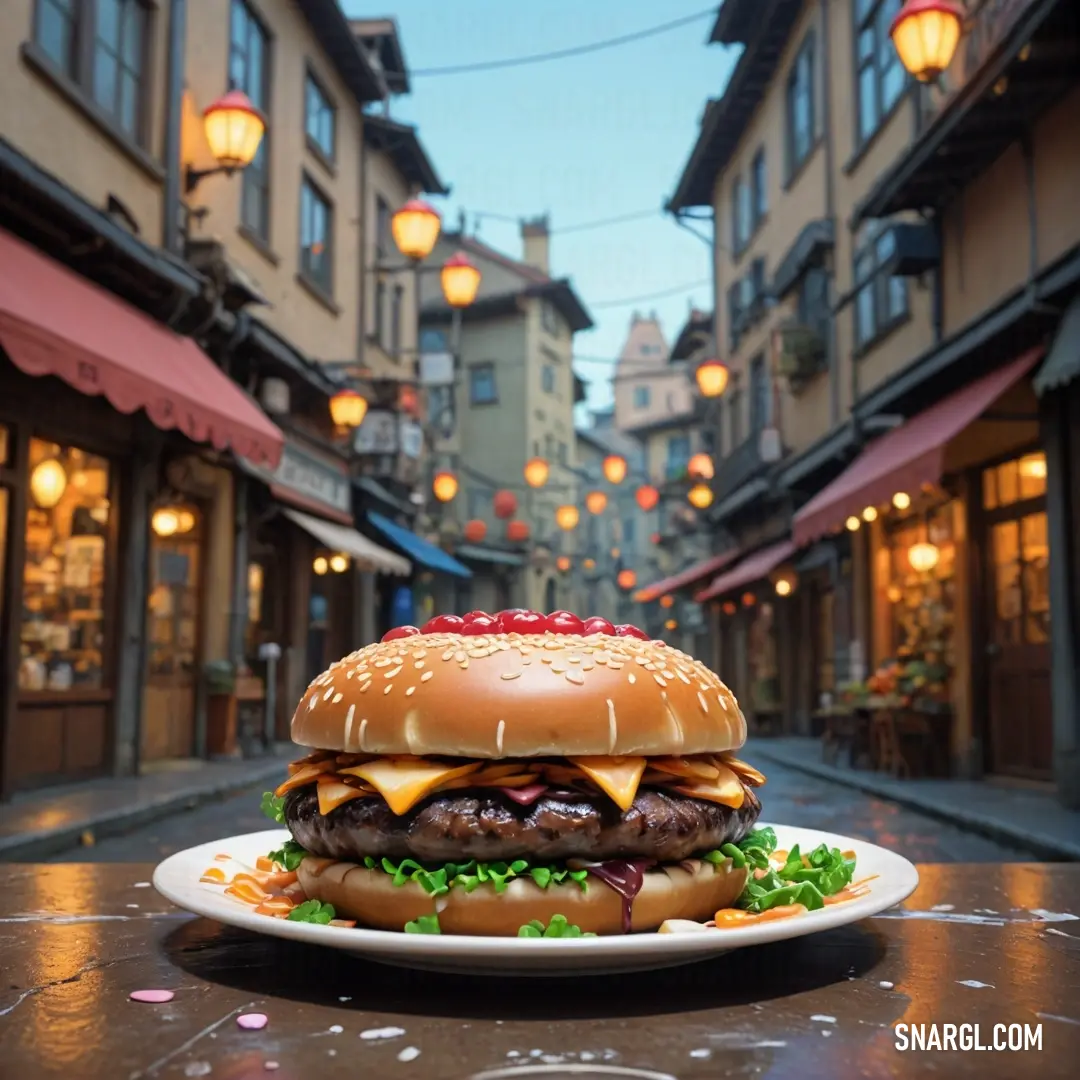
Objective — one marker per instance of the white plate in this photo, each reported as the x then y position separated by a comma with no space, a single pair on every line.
177,878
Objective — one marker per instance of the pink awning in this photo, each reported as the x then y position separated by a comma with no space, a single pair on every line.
55,322
690,576
752,568
908,456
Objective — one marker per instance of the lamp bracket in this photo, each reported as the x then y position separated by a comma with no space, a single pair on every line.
193,177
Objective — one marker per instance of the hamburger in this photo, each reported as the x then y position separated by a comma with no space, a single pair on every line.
490,772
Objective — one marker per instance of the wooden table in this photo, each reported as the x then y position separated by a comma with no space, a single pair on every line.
77,939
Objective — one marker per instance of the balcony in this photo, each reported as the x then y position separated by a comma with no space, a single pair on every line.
748,461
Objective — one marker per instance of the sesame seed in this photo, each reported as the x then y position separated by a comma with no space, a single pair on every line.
392,672
575,677
337,698
510,675
427,675
387,688
365,687
500,731
650,667
632,677
383,661
588,666
348,724
476,654
419,654
558,668
464,664
418,665
639,659
449,653
702,702
363,732
410,691
660,681
545,659
312,701
573,659
327,695
682,675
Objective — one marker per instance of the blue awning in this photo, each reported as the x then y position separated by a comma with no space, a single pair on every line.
417,549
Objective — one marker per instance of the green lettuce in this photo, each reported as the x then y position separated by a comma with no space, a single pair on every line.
289,855
273,806
425,924
469,875
312,911
793,883
559,927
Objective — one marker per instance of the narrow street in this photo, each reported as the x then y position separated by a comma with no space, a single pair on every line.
790,797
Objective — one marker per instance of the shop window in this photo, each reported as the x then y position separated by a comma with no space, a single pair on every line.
881,300
316,237
482,389
762,660
249,70
319,118
1015,481
1020,553
64,627
172,625
256,581
880,77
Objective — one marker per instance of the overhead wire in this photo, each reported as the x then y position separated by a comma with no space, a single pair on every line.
662,295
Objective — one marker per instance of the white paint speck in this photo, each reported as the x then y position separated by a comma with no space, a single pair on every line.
344,999
131,905
141,885
410,1053
821,1018
587,1055
1060,933
1053,916
271,1066
885,985
198,1068
975,984
512,1054
943,907
985,911
382,1033
536,1053
826,1033
702,1053
331,1053
336,1029
552,1059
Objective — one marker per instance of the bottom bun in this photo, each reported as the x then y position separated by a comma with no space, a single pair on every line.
691,890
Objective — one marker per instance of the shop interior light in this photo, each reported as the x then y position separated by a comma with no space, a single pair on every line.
320,565
923,557
626,579
852,524
165,522
748,599
783,588
589,564
536,472
870,514
48,482
562,563
1033,466
615,468
647,497
784,580
339,563
894,594
728,607
700,467
415,228
901,500
185,521
615,552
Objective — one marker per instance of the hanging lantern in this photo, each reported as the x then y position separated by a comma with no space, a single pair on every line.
671,624
536,472
474,531
615,552
615,468
165,522
894,594
712,378
504,504
234,128
415,228
784,581
925,34
728,607
748,599
185,521
562,563
517,532
626,579
321,565
700,496
444,486
589,564
647,497
901,500
348,409
48,482
567,517
700,467
339,563
460,280
870,514
923,557
596,502
667,601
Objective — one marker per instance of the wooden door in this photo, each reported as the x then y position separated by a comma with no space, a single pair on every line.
1018,649
173,634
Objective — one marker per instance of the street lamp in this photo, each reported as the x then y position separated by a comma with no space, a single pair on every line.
567,517
536,472
234,129
415,228
700,467
647,497
925,34
596,502
700,496
460,280
615,468
348,409
712,378
444,486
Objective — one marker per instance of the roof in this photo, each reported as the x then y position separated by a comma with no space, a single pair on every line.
382,37
727,118
609,441
695,332
402,144
336,38
675,420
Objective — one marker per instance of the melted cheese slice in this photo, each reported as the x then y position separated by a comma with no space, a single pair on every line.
689,767
747,772
615,776
304,775
725,789
332,794
404,783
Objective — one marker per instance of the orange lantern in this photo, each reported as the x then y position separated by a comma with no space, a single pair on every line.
647,497
348,409
415,228
728,607
627,579
615,468
460,280
504,504
712,378
444,486
517,532
589,564
596,502
925,34
567,517
748,599
474,531
536,472
700,467
700,496
234,129
562,563
667,601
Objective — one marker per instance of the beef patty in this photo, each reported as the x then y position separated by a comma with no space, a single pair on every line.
485,824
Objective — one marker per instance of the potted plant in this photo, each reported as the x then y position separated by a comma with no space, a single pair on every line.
219,677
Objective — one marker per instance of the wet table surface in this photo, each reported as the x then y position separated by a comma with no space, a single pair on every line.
977,944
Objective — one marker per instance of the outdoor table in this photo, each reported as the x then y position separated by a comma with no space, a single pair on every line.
986,944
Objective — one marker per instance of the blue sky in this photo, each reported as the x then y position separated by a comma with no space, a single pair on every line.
583,138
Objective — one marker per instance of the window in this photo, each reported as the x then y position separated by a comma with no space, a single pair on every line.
629,531
316,237
881,78
759,196
396,312
642,397
678,455
318,118
482,385
735,417
735,313
881,301
548,319
564,454
800,107
760,395
380,314
433,341
64,635
249,70
384,234
102,47
741,217
547,378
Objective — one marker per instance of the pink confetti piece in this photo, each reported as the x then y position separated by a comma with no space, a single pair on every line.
152,997
270,1066
251,1021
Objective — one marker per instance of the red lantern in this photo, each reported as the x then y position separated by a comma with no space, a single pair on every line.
505,504
647,497
517,532
626,579
474,531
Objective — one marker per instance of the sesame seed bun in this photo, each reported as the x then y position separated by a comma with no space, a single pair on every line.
692,890
515,695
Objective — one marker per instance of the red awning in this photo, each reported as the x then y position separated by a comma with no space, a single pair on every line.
55,322
908,456
752,568
690,576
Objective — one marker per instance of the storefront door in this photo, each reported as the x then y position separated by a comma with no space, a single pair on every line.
172,634
1018,649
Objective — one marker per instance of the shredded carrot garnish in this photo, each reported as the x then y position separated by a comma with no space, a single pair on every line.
264,863
275,905
280,879
221,857
249,892
214,875
343,922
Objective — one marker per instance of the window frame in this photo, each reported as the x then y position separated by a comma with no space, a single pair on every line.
483,368
875,19
760,395
397,315
321,198
804,62
759,190
868,251
548,381
674,467
642,398
327,157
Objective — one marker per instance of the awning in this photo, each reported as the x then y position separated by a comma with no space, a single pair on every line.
418,549
364,552
1062,363
908,456
691,575
490,555
55,322
752,568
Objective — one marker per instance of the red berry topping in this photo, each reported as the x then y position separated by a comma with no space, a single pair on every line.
564,622
473,615
520,621
626,630
445,624
400,632
479,623
598,625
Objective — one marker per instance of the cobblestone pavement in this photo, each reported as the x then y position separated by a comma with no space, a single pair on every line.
790,797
